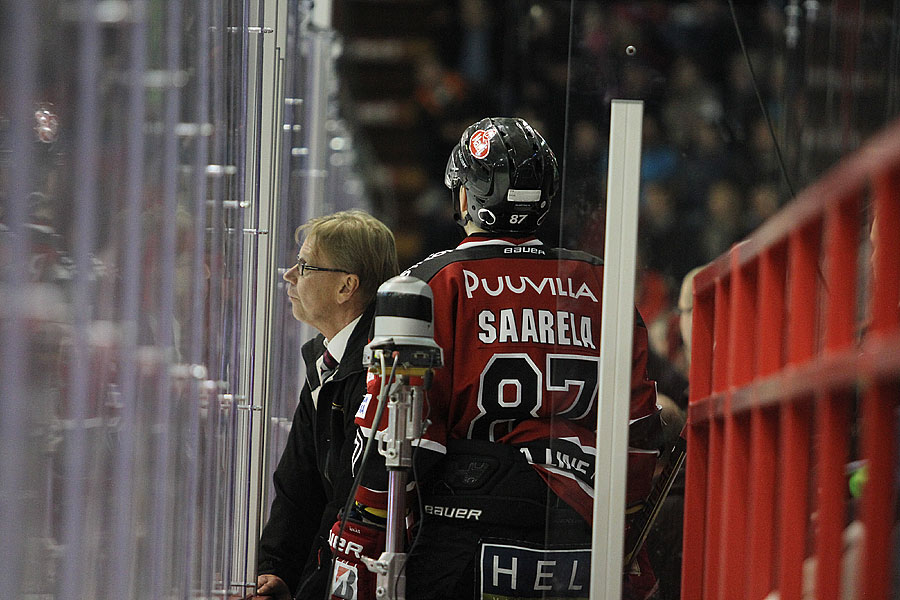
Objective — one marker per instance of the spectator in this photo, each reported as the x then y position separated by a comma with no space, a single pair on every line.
763,204
724,210
667,234
690,99
708,159
659,159
476,55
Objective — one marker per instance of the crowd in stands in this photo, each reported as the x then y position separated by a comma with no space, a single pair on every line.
710,174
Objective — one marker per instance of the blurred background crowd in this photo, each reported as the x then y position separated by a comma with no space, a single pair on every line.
711,172
135,158
731,132
414,73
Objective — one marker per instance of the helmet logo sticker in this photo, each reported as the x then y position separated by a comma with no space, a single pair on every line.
480,143
523,195
486,216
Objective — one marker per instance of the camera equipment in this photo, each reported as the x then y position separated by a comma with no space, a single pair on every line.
404,329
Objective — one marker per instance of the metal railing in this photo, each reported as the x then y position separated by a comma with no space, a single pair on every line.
795,382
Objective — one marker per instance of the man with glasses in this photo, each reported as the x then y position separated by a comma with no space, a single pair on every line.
342,261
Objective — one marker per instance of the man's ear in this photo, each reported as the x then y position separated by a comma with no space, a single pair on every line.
349,287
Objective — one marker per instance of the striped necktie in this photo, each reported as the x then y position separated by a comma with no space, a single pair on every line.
329,364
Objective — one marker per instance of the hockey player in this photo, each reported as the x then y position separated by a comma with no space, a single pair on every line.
505,468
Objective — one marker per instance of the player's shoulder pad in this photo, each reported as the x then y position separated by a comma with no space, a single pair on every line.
431,264
566,254
427,268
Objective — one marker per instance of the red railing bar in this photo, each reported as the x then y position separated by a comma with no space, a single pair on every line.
833,412
879,409
825,373
705,280
760,572
877,358
841,262
802,299
696,476
744,324
700,374
721,324
711,556
793,485
803,254
772,294
886,257
880,356
733,543
707,408
879,442
697,468
833,408
764,444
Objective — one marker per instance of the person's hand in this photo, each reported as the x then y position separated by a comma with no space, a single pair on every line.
271,586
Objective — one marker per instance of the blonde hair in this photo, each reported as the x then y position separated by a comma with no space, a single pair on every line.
356,242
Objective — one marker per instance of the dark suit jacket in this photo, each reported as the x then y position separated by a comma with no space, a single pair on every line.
314,475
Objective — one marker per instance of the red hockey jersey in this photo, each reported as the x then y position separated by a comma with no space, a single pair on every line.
519,324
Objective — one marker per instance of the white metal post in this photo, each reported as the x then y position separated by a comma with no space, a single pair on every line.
322,13
265,106
615,349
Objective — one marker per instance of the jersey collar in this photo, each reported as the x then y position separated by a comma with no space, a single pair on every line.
482,239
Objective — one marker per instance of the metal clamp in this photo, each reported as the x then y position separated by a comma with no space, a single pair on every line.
220,170
253,29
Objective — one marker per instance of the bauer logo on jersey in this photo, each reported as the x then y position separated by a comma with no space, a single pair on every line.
523,195
344,583
480,142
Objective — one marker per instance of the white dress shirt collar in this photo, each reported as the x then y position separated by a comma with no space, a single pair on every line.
338,344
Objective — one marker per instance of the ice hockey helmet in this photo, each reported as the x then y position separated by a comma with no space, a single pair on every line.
509,172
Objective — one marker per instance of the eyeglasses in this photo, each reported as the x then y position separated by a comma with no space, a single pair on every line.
302,267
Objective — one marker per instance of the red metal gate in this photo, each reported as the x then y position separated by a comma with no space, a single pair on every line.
795,372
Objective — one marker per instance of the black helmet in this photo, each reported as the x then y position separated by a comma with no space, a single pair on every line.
509,172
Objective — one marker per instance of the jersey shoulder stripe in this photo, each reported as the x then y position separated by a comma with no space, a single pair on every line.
429,267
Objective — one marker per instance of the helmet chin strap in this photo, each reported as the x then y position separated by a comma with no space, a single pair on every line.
461,220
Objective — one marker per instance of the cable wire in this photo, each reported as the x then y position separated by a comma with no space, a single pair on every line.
563,178
762,104
421,522
370,441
